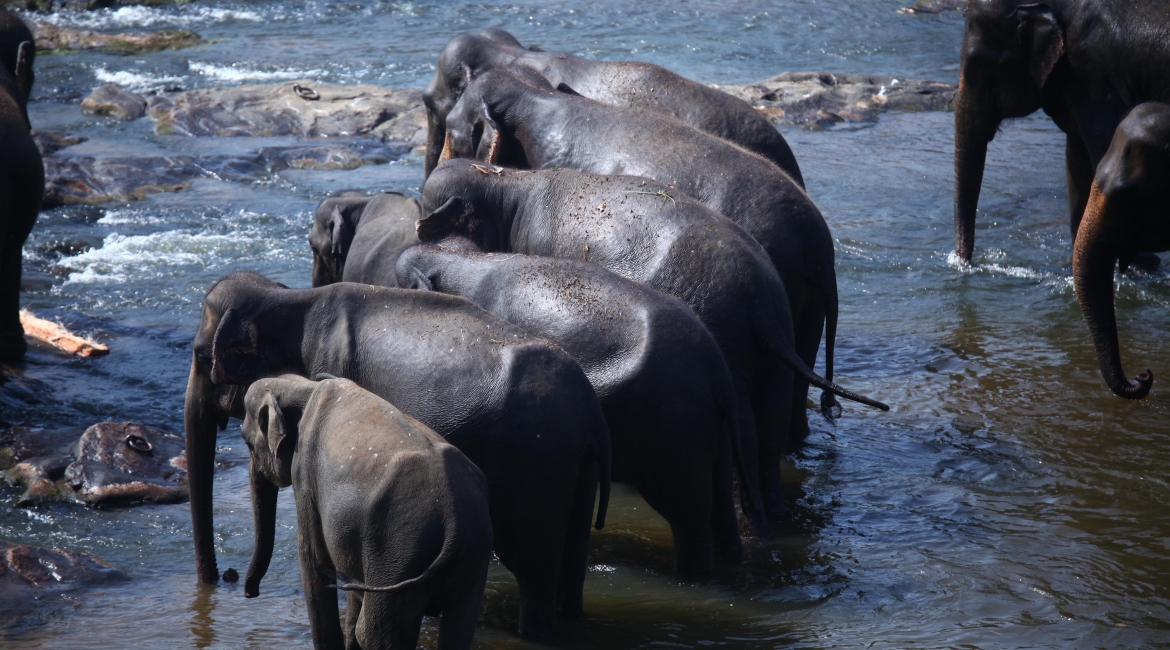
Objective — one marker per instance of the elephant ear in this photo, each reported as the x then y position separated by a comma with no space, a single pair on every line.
419,280
489,119
443,220
1041,39
235,351
270,418
25,55
341,232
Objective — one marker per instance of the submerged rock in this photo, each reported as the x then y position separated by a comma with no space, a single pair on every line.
29,573
301,108
112,463
823,98
50,142
55,38
112,100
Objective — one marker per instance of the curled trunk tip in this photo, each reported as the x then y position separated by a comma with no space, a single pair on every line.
1137,389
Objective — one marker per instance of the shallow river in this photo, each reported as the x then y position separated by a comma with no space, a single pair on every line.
1007,499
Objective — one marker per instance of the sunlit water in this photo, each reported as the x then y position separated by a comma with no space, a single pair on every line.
1007,500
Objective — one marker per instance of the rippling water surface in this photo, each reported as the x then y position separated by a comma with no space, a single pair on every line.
1007,500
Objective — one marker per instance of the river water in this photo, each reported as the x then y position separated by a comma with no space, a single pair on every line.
1006,500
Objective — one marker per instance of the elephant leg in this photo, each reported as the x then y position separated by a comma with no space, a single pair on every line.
724,522
746,421
809,324
460,616
353,608
12,343
678,487
772,401
390,621
530,514
317,572
1078,171
574,562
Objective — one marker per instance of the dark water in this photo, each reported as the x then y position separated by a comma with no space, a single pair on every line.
1007,500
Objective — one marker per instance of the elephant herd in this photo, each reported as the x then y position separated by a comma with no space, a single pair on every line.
614,274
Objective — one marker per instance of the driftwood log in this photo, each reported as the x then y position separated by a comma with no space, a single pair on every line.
59,337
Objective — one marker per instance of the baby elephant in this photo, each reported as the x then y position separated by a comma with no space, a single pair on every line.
1126,216
381,500
387,221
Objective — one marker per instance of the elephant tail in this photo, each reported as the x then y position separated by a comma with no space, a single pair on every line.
781,345
830,407
447,554
602,454
753,508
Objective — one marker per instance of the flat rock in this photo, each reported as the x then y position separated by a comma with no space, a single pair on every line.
50,142
89,180
111,463
29,573
112,100
933,6
56,38
301,108
821,99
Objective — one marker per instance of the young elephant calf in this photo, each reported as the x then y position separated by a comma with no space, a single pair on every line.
1126,215
381,499
386,221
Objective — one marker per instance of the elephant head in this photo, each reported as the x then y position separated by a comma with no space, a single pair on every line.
271,429
1009,52
456,202
17,54
242,337
1125,216
330,238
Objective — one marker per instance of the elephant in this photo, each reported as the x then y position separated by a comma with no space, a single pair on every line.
386,221
665,389
620,83
1086,63
1125,216
649,233
519,408
406,514
542,128
22,175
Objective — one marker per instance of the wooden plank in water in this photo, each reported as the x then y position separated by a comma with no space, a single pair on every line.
59,337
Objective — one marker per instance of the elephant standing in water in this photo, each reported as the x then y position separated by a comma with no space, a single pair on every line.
1086,63
649,233
619,83
1128,213
22,175
520,409
668,397
541,128
386,220
406,515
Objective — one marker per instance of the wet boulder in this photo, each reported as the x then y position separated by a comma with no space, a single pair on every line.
29,573
113,101
820,99
57,38
50,142
126,462
301,108
111,463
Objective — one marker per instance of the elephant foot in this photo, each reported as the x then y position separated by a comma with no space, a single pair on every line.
12,347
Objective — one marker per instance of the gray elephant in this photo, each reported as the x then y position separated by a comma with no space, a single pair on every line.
381,499
519,408
540,128
22,175
1086,63
620,83
653,234
1125,216
668,397
387,222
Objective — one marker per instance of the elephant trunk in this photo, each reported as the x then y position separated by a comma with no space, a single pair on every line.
436,137
972,133
1094,256
201,417
264,523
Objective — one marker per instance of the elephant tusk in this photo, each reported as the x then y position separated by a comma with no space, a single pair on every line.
447,154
